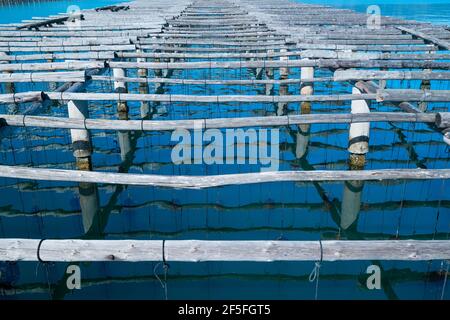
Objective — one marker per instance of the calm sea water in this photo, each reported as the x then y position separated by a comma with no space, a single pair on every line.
434,11
290,211
26,10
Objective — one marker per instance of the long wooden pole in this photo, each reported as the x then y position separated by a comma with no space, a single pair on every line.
73,250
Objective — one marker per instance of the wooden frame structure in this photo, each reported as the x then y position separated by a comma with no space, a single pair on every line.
260,35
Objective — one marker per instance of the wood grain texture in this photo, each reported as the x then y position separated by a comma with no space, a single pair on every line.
199,182
73,250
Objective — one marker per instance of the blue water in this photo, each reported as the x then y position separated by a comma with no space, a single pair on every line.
434,11
26,10
290,211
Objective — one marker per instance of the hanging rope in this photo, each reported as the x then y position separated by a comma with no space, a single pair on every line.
46,265
165,267
445,280
315,273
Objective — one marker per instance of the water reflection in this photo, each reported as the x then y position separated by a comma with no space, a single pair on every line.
89,204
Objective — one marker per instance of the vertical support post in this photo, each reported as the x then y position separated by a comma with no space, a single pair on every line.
358,141
269,75
142,73
81,142
122,111
306,88
120,87
283,88
358,147
52,85
284,72
9,86
143,86
425,85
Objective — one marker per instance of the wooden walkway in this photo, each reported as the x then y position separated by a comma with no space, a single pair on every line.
270,38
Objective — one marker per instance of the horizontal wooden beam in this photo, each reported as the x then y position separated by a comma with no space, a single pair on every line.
200,182
75,250
441,43
74,76
218,123
346,75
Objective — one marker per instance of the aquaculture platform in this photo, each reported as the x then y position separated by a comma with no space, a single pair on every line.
288,55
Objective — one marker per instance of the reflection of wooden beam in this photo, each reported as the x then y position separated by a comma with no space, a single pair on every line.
198,250
393,275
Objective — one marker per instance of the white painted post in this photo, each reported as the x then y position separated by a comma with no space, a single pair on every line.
306,88
284,72
9,86
81,142
359,132
142,73
269,75
120,87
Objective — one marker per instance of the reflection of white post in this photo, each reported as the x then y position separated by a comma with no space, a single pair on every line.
89,203
124,143
351,203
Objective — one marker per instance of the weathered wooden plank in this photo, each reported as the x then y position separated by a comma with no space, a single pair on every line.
441,43
199,182
73,250
346,75
75,76
267,121
48,22
400,95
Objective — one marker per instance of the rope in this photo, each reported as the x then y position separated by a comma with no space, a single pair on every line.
315,273
165,267
445,281
46,265
38,252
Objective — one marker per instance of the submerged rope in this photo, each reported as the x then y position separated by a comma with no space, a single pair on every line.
445,280
165,267
315,273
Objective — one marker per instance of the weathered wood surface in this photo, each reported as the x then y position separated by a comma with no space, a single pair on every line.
83,96
75,76
320,63
199,182
345,75
74,250
49,22
207,123
401,95
393,95
441,43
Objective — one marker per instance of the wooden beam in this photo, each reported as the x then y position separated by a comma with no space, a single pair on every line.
200,182
74,250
